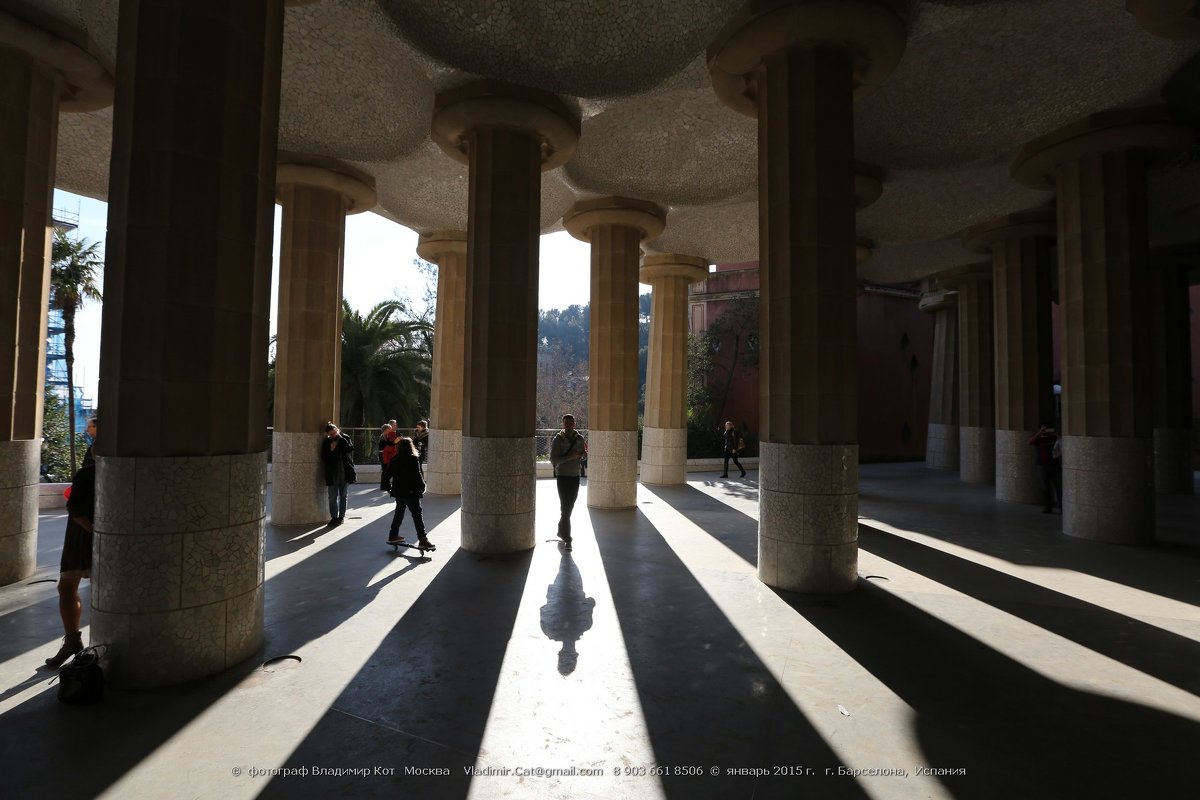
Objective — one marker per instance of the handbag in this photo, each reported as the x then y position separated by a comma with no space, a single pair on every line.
81,680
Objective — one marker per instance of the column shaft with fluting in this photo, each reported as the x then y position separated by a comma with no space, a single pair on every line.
447,249
976,372
29,92
798,67
941,444
1173,379
615,227
1021,246
507,135
664,432
308,348
181,456
1098,168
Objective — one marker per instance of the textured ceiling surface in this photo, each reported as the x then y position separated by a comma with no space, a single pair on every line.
977,80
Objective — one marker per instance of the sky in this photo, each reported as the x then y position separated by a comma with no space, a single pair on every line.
378,266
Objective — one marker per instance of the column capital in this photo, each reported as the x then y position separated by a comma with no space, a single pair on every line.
937,300
488,103
1035,223
433,245
870,32
1147,128
1170,19
85,84
968,273
626,211
673,265
328,173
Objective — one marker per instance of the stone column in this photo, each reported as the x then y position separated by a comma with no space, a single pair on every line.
664,433
1021,246
797,67
941,443
1098,170
1172,367
181,456
447,249
40,74
315,194
615,227
976,372
507,135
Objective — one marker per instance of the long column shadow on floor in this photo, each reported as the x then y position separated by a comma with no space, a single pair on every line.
422,700
1015,732
939,505
302,604
707,699
727,525
1154,651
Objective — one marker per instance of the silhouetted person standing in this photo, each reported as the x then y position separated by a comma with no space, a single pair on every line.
566,452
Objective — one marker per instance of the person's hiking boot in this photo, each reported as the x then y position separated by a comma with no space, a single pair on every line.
72,644
394,539
724,474
743,473
425,543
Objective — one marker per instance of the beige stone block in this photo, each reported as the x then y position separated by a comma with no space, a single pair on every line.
1108,491
247,488
500,457
220,564
244,625
808,468
20,460
487,494
941,447
497,533
1016,468
18,556
977,454
116,494
809,518
173,646
815,569
182,494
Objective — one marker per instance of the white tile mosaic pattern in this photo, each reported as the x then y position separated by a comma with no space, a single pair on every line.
1016,468
977,454
1108,489
941,447
178,565
497,494
808,516
443,473
19,462
612,469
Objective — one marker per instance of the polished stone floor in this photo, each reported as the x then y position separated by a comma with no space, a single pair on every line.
984,655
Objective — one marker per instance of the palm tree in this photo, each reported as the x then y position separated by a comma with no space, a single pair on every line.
386,364
75,267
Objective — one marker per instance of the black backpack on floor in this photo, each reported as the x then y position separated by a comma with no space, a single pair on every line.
81,680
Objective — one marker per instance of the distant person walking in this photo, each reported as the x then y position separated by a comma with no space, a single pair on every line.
387,449
408,485
337,453
567,450
734,444
421,440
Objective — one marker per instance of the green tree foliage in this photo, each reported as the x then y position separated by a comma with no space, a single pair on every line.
56,449
387,358
75,268
715,357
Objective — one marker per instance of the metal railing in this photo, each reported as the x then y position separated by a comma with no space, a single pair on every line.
366,442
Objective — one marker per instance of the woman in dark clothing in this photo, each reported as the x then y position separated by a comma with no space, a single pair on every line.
408,484
76,561
337,453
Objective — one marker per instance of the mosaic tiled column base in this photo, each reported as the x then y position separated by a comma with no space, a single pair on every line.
977,454
1173,461
664,456
808,517
177,577
941,447
1016,468
612,469
443,473
298,494
19,463
498,477
1108,489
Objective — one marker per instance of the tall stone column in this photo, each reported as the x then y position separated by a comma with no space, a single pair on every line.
615,227
941,443
1098,171
40,74
507,135
797,67
1021,246
315,194
976,372
447,249
181,457
664,433
1172,367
